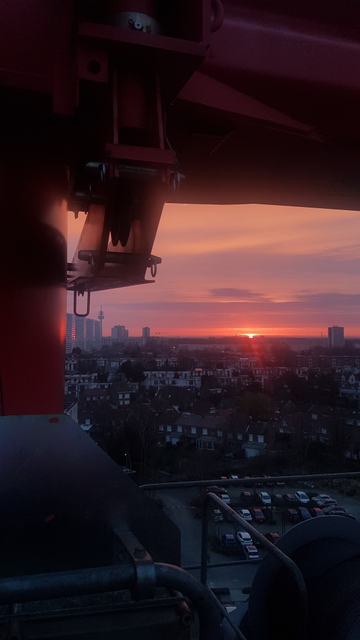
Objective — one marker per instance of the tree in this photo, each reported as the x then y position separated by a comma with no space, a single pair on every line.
256,405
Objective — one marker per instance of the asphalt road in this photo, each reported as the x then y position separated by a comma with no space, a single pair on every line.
177,507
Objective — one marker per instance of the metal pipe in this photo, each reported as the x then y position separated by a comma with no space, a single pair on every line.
227,617
172,577
242,482
219,15
66,583
299,581
204,542
217,565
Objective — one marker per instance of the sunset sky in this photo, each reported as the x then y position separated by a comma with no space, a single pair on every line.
243,269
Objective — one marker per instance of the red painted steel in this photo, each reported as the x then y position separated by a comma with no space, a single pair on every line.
32,289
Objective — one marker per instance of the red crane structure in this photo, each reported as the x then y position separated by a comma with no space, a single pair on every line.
114,107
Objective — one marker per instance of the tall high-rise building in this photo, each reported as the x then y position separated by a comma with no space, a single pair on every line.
146,332
336,337
98,334
118,333
89,334
70,332
101,318
80,332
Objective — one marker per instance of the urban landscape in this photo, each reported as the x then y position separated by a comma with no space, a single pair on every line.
182,409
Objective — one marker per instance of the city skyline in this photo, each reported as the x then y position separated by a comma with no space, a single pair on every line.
244,269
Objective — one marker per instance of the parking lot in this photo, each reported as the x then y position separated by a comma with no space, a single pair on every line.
177,505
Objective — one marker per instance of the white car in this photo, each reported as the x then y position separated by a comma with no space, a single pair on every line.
302,497
245,513
234,477
244,538
225,498
265,498
251,553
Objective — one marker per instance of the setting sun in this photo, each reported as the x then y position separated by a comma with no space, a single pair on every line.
250,335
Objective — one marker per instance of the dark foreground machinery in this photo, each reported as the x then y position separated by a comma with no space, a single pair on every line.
114,107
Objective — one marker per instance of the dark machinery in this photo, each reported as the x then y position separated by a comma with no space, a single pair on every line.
114,107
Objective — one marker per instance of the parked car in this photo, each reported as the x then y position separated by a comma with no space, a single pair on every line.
245,513
246,497
269,482
289,498
344,514
257,515
225,498
228,540
303,513
292,515
244,538
265,498
280,483
315,512
329,503
332,508
233,477
260,482
302,497
277,500
322,497
251,552
216,515
273,537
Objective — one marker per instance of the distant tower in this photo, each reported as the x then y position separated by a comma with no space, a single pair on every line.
101,318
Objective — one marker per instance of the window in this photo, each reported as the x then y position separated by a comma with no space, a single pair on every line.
204,432
314,416
323,431
230,435
251,437
193,430
161,427
239,436
260,438
179,429
168,428
219,433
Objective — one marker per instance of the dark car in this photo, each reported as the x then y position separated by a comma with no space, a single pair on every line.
228,540
332,508
315,512
339,512
289,498
272,537
292,515
277,500
260,482
257,515
268,481
246,497
303,513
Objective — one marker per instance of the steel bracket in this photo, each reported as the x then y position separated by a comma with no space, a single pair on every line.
144,566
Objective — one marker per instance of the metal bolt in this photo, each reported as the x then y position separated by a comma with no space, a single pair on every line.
139,552
138,26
